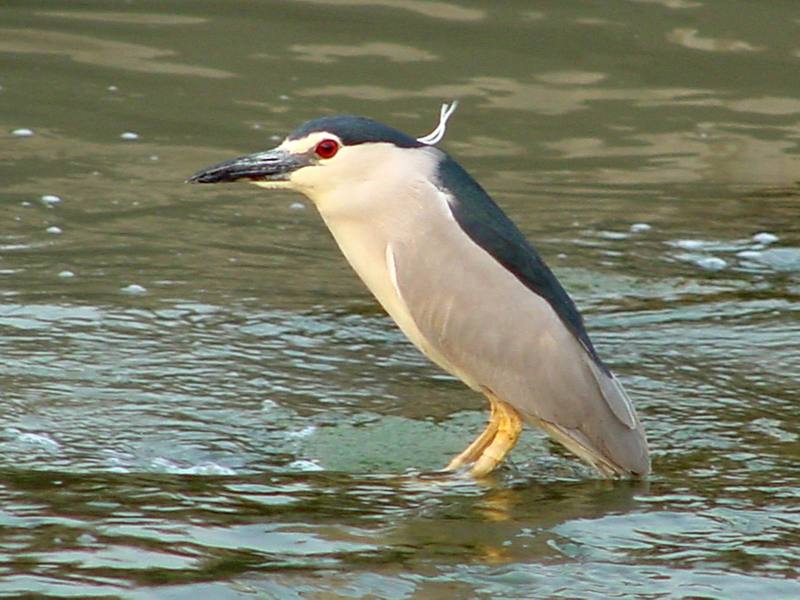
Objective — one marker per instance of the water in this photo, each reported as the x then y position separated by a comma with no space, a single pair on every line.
200,399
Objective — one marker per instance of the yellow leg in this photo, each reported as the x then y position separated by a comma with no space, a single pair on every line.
497,440
508,429
476,448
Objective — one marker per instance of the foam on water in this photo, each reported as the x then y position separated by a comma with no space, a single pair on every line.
133,289
50,199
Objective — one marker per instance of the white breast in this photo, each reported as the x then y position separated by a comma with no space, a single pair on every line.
367,245
379,211
371,256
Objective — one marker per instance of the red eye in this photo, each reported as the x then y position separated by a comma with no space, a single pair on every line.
327,148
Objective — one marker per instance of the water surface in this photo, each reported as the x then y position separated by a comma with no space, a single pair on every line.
200,399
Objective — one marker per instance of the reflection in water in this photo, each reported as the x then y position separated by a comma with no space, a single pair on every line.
562,93
115,523
447,11
673,4
707,154
392,52
497,92
123,17
106,53
766,105
690,39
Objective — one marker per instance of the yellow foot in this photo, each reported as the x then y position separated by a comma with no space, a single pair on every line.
476,448
490,447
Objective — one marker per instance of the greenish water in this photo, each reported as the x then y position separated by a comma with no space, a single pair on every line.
199,399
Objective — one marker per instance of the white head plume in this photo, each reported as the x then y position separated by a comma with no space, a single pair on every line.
435,136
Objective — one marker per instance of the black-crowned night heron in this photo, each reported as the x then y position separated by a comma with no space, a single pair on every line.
460,281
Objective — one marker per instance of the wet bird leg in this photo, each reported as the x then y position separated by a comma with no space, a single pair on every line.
490,447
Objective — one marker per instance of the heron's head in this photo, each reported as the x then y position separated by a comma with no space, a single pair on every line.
332,154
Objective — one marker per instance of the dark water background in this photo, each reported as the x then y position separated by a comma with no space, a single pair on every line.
200,400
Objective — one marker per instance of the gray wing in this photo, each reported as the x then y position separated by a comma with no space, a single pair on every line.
491,229
500,336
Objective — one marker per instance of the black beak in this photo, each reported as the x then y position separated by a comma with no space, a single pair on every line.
272,165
